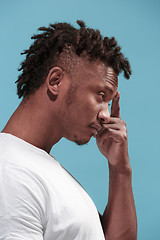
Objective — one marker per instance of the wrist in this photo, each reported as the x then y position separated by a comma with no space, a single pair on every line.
120,170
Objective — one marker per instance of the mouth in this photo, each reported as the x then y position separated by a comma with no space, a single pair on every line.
95,129
95,132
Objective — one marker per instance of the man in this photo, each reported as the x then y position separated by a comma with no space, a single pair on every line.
68,78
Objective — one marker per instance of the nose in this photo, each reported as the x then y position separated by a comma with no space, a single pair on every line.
104,115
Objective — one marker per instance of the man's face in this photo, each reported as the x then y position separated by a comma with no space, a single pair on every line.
85,106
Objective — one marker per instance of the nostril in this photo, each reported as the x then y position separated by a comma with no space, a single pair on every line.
104,116
102,120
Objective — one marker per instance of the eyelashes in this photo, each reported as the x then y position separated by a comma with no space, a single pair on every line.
103,96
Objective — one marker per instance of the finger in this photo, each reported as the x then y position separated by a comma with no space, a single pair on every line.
115,123
115,108
111,133
113,120
112,126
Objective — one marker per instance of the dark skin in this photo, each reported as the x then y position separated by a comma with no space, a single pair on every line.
112,139
120,214
56,110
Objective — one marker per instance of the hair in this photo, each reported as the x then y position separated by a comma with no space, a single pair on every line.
45,52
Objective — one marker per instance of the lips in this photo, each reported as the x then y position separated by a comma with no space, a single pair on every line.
95,129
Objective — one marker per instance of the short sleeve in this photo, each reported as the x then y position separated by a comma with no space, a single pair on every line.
22,204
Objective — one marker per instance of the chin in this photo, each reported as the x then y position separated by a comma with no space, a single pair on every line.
80,141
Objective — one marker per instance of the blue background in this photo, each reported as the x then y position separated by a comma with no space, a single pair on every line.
136,26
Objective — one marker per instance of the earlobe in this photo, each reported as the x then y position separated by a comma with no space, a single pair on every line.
54,80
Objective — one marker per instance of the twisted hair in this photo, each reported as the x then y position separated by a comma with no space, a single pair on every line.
44,53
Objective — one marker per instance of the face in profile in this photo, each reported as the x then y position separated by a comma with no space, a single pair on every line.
86,105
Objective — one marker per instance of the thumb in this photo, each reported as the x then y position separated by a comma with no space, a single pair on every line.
115,108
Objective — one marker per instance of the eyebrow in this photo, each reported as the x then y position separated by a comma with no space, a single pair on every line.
109,89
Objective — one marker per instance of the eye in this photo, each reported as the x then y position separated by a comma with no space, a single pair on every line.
102,94
103,97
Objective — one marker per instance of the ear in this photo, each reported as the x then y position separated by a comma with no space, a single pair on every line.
53,80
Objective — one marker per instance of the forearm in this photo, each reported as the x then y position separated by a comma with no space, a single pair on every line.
119,220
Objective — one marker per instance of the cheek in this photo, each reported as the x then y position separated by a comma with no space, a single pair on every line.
90,107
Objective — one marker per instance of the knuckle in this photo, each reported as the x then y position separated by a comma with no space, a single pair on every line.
124,129
123,122
125,135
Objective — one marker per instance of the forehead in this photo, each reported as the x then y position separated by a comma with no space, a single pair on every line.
107,76
98,74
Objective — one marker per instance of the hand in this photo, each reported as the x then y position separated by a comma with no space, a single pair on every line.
112,139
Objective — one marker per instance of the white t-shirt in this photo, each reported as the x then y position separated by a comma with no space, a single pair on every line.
39,199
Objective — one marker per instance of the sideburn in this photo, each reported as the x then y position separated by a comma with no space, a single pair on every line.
71,92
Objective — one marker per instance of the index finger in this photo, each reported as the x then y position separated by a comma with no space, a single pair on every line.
115,108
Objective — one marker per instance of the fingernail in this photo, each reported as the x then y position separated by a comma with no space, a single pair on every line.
116,94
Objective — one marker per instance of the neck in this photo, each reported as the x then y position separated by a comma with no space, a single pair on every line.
34,123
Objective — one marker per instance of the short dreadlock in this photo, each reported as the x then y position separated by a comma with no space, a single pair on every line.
47,47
